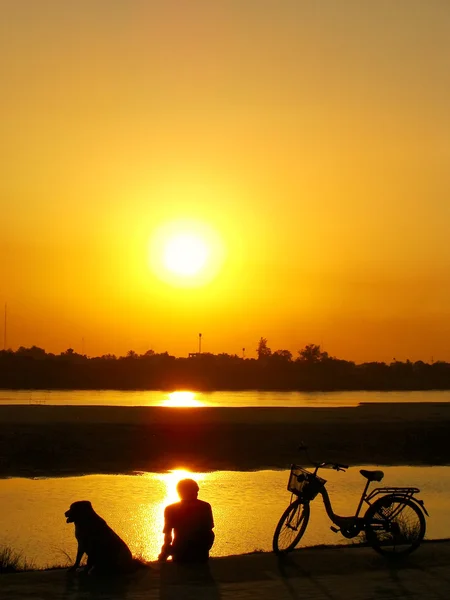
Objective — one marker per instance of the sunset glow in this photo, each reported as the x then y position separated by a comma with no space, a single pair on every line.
243,169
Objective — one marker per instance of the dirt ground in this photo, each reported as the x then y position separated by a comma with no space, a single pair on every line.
306,574
68,440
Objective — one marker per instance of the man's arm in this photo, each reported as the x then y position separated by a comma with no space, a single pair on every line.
210,517
166,548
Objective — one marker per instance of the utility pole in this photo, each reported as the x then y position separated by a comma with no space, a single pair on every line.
4,331
199,343
243,352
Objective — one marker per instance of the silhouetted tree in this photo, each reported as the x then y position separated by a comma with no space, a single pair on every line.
313,370
263,350
33,352
312,354
284,355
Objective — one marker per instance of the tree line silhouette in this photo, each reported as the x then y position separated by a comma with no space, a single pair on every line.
311,370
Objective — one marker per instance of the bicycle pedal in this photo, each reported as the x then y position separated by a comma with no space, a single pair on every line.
335,529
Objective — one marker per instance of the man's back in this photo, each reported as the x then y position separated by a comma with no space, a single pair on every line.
188,518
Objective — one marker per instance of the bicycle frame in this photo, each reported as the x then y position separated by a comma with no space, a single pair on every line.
350,526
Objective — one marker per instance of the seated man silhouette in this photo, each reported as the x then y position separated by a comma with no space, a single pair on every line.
188,526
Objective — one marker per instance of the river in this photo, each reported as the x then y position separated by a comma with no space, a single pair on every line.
229,398
246,506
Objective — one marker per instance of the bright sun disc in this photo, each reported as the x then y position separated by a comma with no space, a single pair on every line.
185,254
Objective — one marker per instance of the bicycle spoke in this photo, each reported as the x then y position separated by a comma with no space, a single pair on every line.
291,527
396,527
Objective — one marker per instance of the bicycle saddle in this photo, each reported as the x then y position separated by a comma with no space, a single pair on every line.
372,475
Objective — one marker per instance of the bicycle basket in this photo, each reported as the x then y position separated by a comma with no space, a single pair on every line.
304,483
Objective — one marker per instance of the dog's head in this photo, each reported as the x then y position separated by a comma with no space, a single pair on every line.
79,511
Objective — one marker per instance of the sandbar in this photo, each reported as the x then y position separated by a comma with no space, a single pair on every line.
67,440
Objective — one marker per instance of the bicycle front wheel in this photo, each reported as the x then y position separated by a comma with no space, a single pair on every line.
291,527
394,526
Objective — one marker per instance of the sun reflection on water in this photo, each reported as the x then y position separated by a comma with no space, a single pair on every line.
182,400
153,514
171,480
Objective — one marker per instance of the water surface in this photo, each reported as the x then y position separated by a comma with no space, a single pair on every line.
246,507
211,399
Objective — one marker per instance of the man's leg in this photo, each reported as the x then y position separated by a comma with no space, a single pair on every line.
194,550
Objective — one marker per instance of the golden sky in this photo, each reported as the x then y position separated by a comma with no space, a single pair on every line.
311,140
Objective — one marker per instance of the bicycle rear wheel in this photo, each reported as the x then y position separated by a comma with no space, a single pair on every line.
395,526
291,527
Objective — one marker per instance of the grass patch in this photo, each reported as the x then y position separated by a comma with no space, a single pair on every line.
12,561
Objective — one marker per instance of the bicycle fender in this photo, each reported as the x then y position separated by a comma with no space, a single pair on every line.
421,504
393,497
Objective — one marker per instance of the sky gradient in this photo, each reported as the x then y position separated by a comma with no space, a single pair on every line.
312,137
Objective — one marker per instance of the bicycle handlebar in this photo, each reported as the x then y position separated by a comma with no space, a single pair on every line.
340,467
335,466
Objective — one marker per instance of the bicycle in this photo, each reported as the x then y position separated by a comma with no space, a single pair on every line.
394,522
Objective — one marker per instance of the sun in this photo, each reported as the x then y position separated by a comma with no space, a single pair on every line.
185,254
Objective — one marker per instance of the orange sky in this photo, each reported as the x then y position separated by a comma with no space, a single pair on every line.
312,137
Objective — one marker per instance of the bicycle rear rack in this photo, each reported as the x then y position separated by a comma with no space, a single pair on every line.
393,491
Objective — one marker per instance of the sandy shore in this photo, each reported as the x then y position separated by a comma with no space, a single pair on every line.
307,574
63,440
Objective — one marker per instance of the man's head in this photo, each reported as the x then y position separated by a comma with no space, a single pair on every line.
187,489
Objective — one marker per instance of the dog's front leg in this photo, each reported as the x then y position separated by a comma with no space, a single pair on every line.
80,553
90,566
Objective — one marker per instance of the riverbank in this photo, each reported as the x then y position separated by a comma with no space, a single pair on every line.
310,573
68,440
